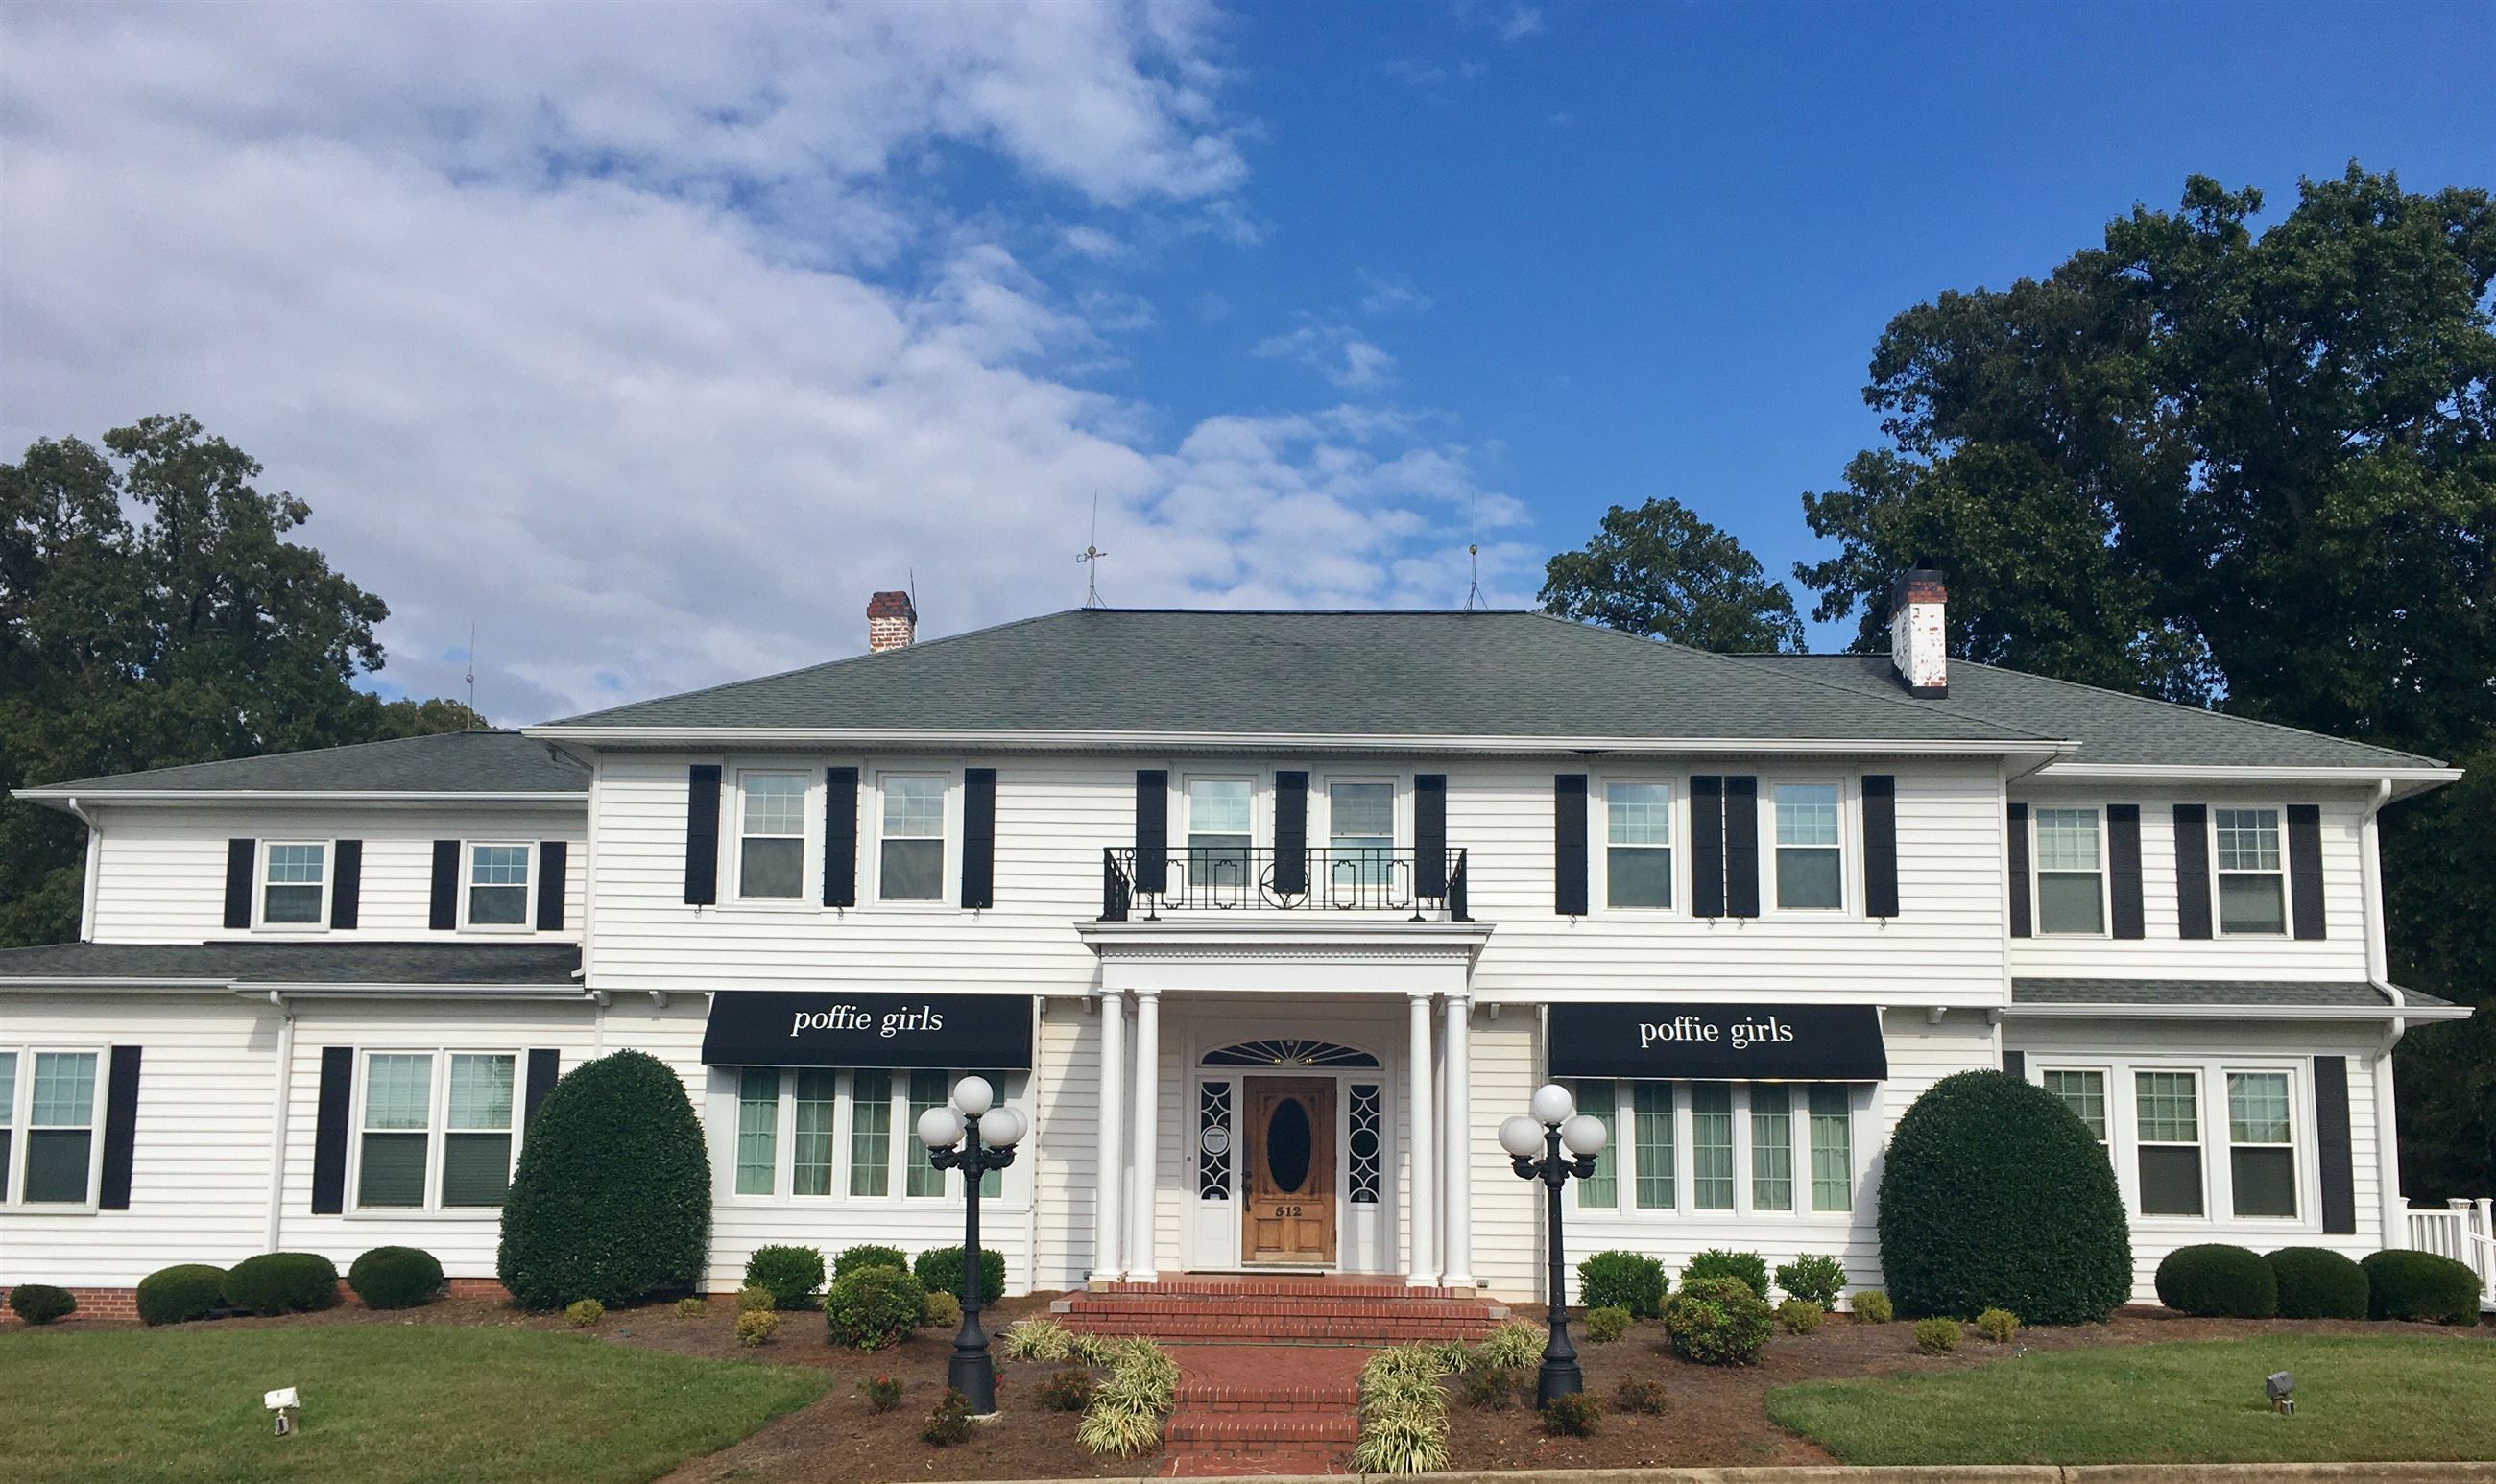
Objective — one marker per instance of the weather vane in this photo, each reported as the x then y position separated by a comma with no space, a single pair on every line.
1090,559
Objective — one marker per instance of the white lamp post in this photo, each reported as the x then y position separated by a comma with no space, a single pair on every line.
975,1135
1551,1145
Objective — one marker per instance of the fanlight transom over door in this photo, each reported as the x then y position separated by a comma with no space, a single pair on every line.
1289,1215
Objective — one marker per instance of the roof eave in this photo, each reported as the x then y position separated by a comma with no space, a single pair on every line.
2406,779
2135,1011
1016,739
67,800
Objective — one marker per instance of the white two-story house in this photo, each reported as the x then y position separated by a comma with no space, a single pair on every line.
1265,920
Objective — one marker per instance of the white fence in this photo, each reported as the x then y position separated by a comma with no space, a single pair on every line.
2465,1232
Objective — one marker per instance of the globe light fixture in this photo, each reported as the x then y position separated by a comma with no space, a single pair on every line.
973,1134
1521,1137
1552,1106
1554,1144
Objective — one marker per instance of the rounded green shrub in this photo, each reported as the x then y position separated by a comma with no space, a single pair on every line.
612,1199
943,1311
2218,1281
755,1327
1813,1276
1606,1323
939,1270
1994,1195
869,1254
753,1297
42,1303
178,1294
1571,1414
1716,1262
1873,1306
795,1275
690,1307
1631,1280
283,1282
1800,1316
2316,1283
872,1309
1718,1321
395,1278
1936,1335
1997,1325
2420,1285
584,1312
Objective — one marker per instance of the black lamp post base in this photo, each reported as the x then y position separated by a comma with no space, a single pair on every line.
1557,1378
974,1376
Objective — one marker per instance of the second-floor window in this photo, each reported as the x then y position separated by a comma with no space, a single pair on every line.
2252,894
1637,845
2070,884
1219,832
294,885
498,886
1810,872
912,865
772,843
1361,827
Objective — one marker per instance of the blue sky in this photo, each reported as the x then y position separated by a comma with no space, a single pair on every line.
650,339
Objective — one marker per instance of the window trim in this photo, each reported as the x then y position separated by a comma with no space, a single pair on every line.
1848,847
1802,1209
1598,832
2298,1195
722,1114
19,1117
948,885
1399,821
261,883
2218,1190
437,1130
2037,872
468,850
732,838
1182,840
2218,896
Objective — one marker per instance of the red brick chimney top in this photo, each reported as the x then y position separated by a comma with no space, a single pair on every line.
892,622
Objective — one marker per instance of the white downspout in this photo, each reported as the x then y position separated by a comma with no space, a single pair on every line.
2387,1124
277,1110
94,869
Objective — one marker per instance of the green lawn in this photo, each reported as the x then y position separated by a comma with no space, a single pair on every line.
2358,1398
379,1403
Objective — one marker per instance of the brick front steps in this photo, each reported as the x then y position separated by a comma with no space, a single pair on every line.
1263,1409
1280,1311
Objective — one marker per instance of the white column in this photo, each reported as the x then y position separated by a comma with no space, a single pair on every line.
1109,1168
1458,1141
1420,1199
1142,1259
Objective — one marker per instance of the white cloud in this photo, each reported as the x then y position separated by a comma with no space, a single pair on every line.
1522,22
1389,294
632,335
1338,352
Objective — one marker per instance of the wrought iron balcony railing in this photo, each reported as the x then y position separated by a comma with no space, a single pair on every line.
1241,879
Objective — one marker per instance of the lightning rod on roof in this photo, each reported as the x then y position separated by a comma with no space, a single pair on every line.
472,675
1090,561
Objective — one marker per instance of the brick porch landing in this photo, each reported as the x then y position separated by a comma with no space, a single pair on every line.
1281,1310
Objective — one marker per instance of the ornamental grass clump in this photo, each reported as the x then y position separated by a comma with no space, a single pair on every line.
1043,1340
1799,1315
1403,1412
1718,1321
1631,1280
2316,1283
1814,1276
1127,1410
611,1197
1607,1324
1936,1337
1513,1344
1997,1325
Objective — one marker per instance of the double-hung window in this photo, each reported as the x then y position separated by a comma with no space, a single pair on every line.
2084,1092
1711,1146
2168,1127
2252,891
439,1130
295,884
1596,1099
771,837
841,1134
912,864
498,886
1637,845
47,1136
2071,880
1218,836
1652,1102
758,1131
1360,828
1832,1150
1771,1147
1810,871
2261,1150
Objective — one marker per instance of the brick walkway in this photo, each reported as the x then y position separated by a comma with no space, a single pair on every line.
1276,1408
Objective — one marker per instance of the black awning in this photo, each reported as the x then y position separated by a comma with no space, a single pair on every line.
1719,1043
812,1028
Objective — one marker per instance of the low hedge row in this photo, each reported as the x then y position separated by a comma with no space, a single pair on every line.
2220,1281
287,1283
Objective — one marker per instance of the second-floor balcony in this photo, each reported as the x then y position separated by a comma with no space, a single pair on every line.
1421,884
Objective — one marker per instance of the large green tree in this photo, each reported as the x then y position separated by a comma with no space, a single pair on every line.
152,613
2256,471
1661,571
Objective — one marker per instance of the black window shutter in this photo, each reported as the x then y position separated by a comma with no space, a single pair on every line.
840,837
1741,846
446,886
1291,832
1708,845
1568,843
979,837
2015,1063
2021,923
1880,845
554,866
701,834
2305,870
546,1064
2331,1142
120,1129
2123,869
347,891
241,858
1152,830
330,1130
2191,870
1430,834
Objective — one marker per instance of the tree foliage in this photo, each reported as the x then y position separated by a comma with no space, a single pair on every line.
2255,471
154,612
1661,571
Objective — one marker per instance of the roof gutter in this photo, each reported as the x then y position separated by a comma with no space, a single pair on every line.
2390,783
2127,1010
70,802
718,738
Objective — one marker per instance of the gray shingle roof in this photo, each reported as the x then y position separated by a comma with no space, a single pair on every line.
2250,995
464,964
452,762
2110,726
1491,674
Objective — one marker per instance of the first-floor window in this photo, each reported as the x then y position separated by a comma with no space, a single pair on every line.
59,1121
1711,1146
838,1134
1832,1151
8,1122
818,1098
1771,1148
465,1098
758,1130
1601,1189
871,1133
1763,1147
2084,1093
2262,1155
2168,1130
1656,1138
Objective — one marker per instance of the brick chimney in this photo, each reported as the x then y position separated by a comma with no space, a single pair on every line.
1916,645
892,622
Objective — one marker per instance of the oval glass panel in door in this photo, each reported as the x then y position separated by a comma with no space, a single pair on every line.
1286,1146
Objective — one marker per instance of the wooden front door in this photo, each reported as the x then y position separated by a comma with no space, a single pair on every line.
1289,1215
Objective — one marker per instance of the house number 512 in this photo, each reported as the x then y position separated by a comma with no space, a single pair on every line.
1287,1210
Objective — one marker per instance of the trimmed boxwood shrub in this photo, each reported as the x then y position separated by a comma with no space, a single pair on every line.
283,1282
612,1199
1716,1262
795,1275
395,1278
2316,1283
1718,1321
869,1254
1619,1279
871,1309
184,1292
1994,1195
2420,1285
1814,1276
2218,1281
42,1303
939,1270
